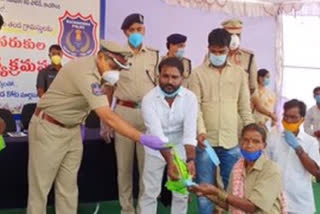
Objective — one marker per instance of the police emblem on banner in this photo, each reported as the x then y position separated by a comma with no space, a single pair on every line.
77,35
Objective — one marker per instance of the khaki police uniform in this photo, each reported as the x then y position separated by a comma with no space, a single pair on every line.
246,59
242,57
55,143
186,70
131,87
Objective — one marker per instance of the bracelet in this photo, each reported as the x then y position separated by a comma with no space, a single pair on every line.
222,195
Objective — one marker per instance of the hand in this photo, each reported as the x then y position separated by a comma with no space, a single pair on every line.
173,172
204,189
106,132
191,168
201,138
291,140
274,118
317,134
152,142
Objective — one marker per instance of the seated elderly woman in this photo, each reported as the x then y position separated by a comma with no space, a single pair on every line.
255,181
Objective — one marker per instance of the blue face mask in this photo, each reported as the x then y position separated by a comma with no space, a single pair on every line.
251,156
180,53
266,82
171,95
317,98
218,60
136,39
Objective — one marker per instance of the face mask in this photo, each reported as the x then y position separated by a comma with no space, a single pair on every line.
170,95
317,98
292,127
111,77
56,60
136,39
180,53
235,42
251,156
266,81
218,60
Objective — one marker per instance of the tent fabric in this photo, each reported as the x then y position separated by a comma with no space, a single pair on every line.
253,7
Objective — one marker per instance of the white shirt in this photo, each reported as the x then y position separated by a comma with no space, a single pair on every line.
312,121
296,179
177,124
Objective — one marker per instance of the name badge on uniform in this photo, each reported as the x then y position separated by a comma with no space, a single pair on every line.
96,89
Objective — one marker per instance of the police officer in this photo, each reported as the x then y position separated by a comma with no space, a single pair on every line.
239,56
55,147
176,44
131,87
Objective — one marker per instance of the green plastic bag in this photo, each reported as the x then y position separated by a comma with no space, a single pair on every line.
2,143
179,186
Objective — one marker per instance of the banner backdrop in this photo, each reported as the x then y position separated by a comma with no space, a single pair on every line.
31,26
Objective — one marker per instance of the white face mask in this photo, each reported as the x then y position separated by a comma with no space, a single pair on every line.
111,76
235,42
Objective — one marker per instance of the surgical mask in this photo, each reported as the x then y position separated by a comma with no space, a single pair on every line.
266,82
180,53
217,60
56,59
251,156
292,127
235,42
136,39
171,95
317,98
111,76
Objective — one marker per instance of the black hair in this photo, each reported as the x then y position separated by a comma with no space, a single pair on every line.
172,62
219,37
257,128
296,103
316,89
55,46
1,21
262,73
168,45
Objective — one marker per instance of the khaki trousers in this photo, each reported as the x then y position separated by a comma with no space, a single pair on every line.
125,150
55,155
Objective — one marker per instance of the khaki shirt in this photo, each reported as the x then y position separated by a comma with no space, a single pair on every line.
186,70
263,186
142,76
221,97
242,58
74,92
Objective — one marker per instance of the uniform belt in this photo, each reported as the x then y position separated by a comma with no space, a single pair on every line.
48,118
127,103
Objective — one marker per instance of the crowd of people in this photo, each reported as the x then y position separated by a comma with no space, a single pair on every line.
146,101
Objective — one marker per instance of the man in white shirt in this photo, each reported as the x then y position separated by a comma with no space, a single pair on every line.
169,112
297,155
312,122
